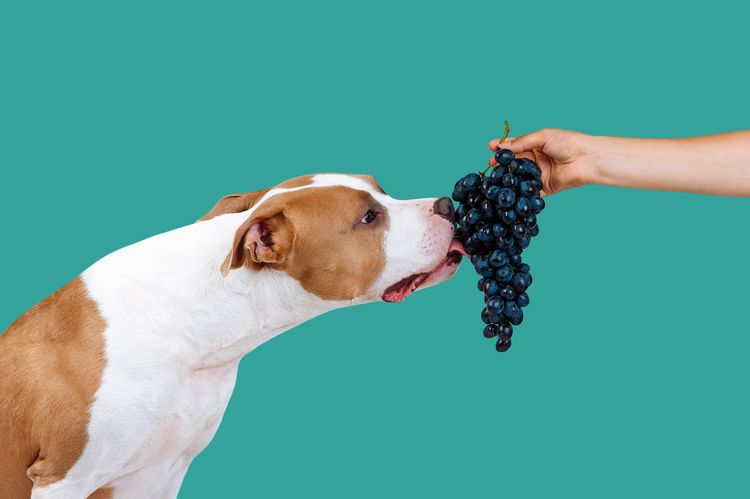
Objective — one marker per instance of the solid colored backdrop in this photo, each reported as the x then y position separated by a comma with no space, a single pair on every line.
629,376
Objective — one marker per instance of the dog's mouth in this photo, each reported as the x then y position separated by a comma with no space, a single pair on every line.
403,288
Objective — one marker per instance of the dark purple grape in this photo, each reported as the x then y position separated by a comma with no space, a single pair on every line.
490,330
502,345
506,197
509,180
536,203
522,299
504,330
491,287
471,182
504,157
485,315
504,274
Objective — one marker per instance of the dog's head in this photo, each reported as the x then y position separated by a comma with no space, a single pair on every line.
343,238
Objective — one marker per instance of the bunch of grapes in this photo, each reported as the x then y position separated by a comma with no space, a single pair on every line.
496,220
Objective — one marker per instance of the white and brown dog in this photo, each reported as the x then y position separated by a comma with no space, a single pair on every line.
111,386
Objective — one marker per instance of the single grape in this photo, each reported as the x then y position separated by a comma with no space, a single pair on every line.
515,167
460,194
502,345
490,330
533,170
526,189
504,157
471,182
493,192
521,282
536,203
517,318
509,180
491,287
524,240
481,264
485,315
519,230
509,216
461,211
522,299
498,258
523,207
507,292
504,274
506,198
513,312
474,216
495,305
504,330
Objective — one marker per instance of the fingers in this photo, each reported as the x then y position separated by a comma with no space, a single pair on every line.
528,142
494,145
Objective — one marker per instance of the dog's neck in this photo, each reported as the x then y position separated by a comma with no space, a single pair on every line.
173,282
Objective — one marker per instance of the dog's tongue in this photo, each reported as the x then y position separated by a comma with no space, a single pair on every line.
403,288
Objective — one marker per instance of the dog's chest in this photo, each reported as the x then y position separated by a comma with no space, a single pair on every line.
198,405
162,419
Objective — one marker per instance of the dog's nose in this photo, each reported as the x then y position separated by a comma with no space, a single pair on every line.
444,207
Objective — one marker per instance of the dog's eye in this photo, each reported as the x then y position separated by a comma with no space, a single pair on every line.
368,217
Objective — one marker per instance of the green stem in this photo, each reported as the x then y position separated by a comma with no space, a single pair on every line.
507,131
505,136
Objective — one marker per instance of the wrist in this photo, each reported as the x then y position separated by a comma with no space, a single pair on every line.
592,162
600,154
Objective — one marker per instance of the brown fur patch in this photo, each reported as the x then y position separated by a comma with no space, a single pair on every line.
297,182
234,203
237,203
328,251
106,493
51,363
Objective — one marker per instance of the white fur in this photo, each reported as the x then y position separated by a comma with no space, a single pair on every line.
176,331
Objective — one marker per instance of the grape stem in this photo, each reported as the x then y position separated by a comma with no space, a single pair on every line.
505,136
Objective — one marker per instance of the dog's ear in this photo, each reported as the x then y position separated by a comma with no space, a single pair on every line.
262,239
234,203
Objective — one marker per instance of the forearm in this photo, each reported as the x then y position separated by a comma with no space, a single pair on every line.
716,164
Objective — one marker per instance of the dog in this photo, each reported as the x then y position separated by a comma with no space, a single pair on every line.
111,386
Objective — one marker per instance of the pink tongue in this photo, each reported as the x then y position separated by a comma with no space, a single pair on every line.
404,291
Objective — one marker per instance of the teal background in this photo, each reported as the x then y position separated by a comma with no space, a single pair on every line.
628,378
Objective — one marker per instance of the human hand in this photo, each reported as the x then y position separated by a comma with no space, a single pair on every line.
567,159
